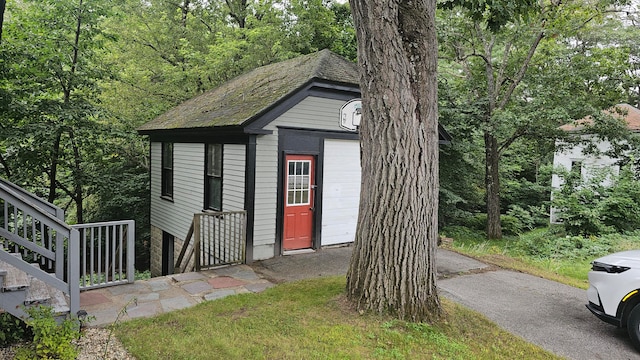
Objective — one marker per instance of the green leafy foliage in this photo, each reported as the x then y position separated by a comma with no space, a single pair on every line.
13,330
512,225
601,204
512,73
494,13
546,245
51,340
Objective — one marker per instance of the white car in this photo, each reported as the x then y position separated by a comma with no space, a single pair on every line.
614,291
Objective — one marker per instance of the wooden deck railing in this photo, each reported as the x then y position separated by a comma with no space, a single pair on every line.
41,238
219,238
106,253
80,256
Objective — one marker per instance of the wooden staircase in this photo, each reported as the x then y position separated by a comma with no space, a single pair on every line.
45,261
33,231
20,290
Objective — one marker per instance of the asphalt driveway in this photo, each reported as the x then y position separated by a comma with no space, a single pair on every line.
543,312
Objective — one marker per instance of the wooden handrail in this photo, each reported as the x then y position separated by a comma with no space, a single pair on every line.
65,236
183,251
208,247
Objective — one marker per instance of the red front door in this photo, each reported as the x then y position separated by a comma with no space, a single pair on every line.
298,202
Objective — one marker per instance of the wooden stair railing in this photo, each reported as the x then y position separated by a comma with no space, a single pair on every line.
213,239
185,247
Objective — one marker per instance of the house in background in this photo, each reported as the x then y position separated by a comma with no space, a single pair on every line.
280,143
574,158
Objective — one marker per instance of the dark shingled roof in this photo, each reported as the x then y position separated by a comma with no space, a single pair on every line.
247,96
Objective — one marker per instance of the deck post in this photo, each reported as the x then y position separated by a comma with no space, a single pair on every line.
74,271
131,271
197,238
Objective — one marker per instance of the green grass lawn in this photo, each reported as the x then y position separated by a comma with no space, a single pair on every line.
311,320
545,252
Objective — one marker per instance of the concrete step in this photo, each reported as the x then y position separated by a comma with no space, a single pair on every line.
59,302
14,279
38,293
35,291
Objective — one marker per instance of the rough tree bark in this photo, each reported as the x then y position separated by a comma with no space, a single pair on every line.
393,264
3,5
492,186
500,86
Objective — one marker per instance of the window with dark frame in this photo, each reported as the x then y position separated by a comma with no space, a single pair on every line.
213,185
167,170
576,168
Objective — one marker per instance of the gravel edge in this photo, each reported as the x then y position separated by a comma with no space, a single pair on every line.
92,345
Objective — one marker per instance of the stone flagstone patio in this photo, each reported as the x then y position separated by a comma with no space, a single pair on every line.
146,298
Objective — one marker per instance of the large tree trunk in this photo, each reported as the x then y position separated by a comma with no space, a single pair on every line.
53,169
3,5
393,264
78,179
5,167
492,185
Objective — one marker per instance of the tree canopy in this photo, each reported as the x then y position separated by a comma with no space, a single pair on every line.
515,79
77,77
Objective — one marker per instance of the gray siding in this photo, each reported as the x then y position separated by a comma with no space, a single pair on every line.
188,188
311,113
233,177
175,217
188,192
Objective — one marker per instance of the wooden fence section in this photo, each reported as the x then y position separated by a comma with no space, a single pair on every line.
106,253
219,238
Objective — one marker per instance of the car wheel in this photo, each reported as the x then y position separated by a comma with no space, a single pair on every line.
633,326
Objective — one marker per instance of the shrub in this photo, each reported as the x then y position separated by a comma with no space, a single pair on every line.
12,330
51,340
546,244
462,233
592,207
476,221
511,225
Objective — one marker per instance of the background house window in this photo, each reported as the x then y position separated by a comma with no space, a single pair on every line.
167,170
213,186
576,168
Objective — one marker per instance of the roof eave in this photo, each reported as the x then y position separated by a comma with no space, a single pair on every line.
226,134
314,87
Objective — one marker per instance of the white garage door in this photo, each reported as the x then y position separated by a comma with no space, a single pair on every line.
341,191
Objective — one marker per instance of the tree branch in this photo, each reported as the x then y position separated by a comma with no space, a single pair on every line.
65,190
500,78
520,132
521,72
5,166
162,56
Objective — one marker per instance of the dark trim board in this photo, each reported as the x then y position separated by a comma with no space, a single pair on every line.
303,142
220,135
250,195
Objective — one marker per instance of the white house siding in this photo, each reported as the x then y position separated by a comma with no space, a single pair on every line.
310,113
589,162
233,163
264,227
175,216
341,191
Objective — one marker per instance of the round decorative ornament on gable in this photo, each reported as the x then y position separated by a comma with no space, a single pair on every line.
350,115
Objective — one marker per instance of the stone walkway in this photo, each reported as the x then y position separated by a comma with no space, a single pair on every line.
146,298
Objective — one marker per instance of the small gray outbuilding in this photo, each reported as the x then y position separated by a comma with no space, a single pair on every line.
280,142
